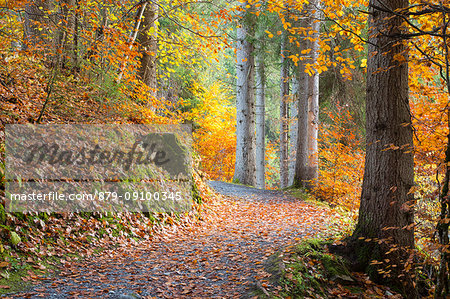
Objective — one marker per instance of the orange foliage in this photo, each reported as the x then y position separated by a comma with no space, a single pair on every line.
341,161
215,140
429,103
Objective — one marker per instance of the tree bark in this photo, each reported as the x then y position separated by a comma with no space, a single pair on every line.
284,97
67,33
386,214
36,36
443,277
313,96
244,172
442,284
148,47
301,173
293,129
75,52
259,122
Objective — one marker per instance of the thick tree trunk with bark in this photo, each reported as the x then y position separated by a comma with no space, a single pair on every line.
386,214
148,42
301,159
442,284
443,278
244,172
284,126
301,173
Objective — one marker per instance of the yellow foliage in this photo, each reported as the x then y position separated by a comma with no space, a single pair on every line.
215,139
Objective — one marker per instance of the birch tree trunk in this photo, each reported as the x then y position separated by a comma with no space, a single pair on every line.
244,172
259,121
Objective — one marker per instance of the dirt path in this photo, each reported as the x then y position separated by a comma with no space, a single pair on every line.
221,258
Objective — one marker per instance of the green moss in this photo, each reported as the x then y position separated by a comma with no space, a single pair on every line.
2,215
237,182
307,270
311,245
101,232
299,193
12,276
302,194
14,281
195,193
44,216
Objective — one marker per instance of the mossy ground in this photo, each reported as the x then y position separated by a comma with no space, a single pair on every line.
303,194
308,270
22,271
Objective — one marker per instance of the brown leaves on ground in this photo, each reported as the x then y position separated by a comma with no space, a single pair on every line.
222,256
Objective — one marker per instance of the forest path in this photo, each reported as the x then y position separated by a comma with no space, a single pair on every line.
221,257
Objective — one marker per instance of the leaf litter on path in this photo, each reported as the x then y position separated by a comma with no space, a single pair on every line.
220,257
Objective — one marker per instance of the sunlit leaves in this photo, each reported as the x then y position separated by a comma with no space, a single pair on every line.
341,161
215,139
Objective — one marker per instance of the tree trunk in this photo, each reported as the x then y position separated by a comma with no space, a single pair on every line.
284,128
36,36
148,47
259,121
386,214
442,284
313,96
443,277
244,172
293,129
75,52
67,38
301,173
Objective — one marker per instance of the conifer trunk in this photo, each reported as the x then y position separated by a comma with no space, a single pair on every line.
284,97
259,122
244,172
386,214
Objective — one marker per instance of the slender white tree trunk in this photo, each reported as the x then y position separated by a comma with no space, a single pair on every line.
293,129
259,121
284,97
313,96
244,171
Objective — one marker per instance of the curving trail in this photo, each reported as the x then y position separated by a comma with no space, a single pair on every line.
221,258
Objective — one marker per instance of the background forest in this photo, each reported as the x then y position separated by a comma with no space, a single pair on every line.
201,62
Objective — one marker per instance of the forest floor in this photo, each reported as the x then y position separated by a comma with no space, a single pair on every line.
222,256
